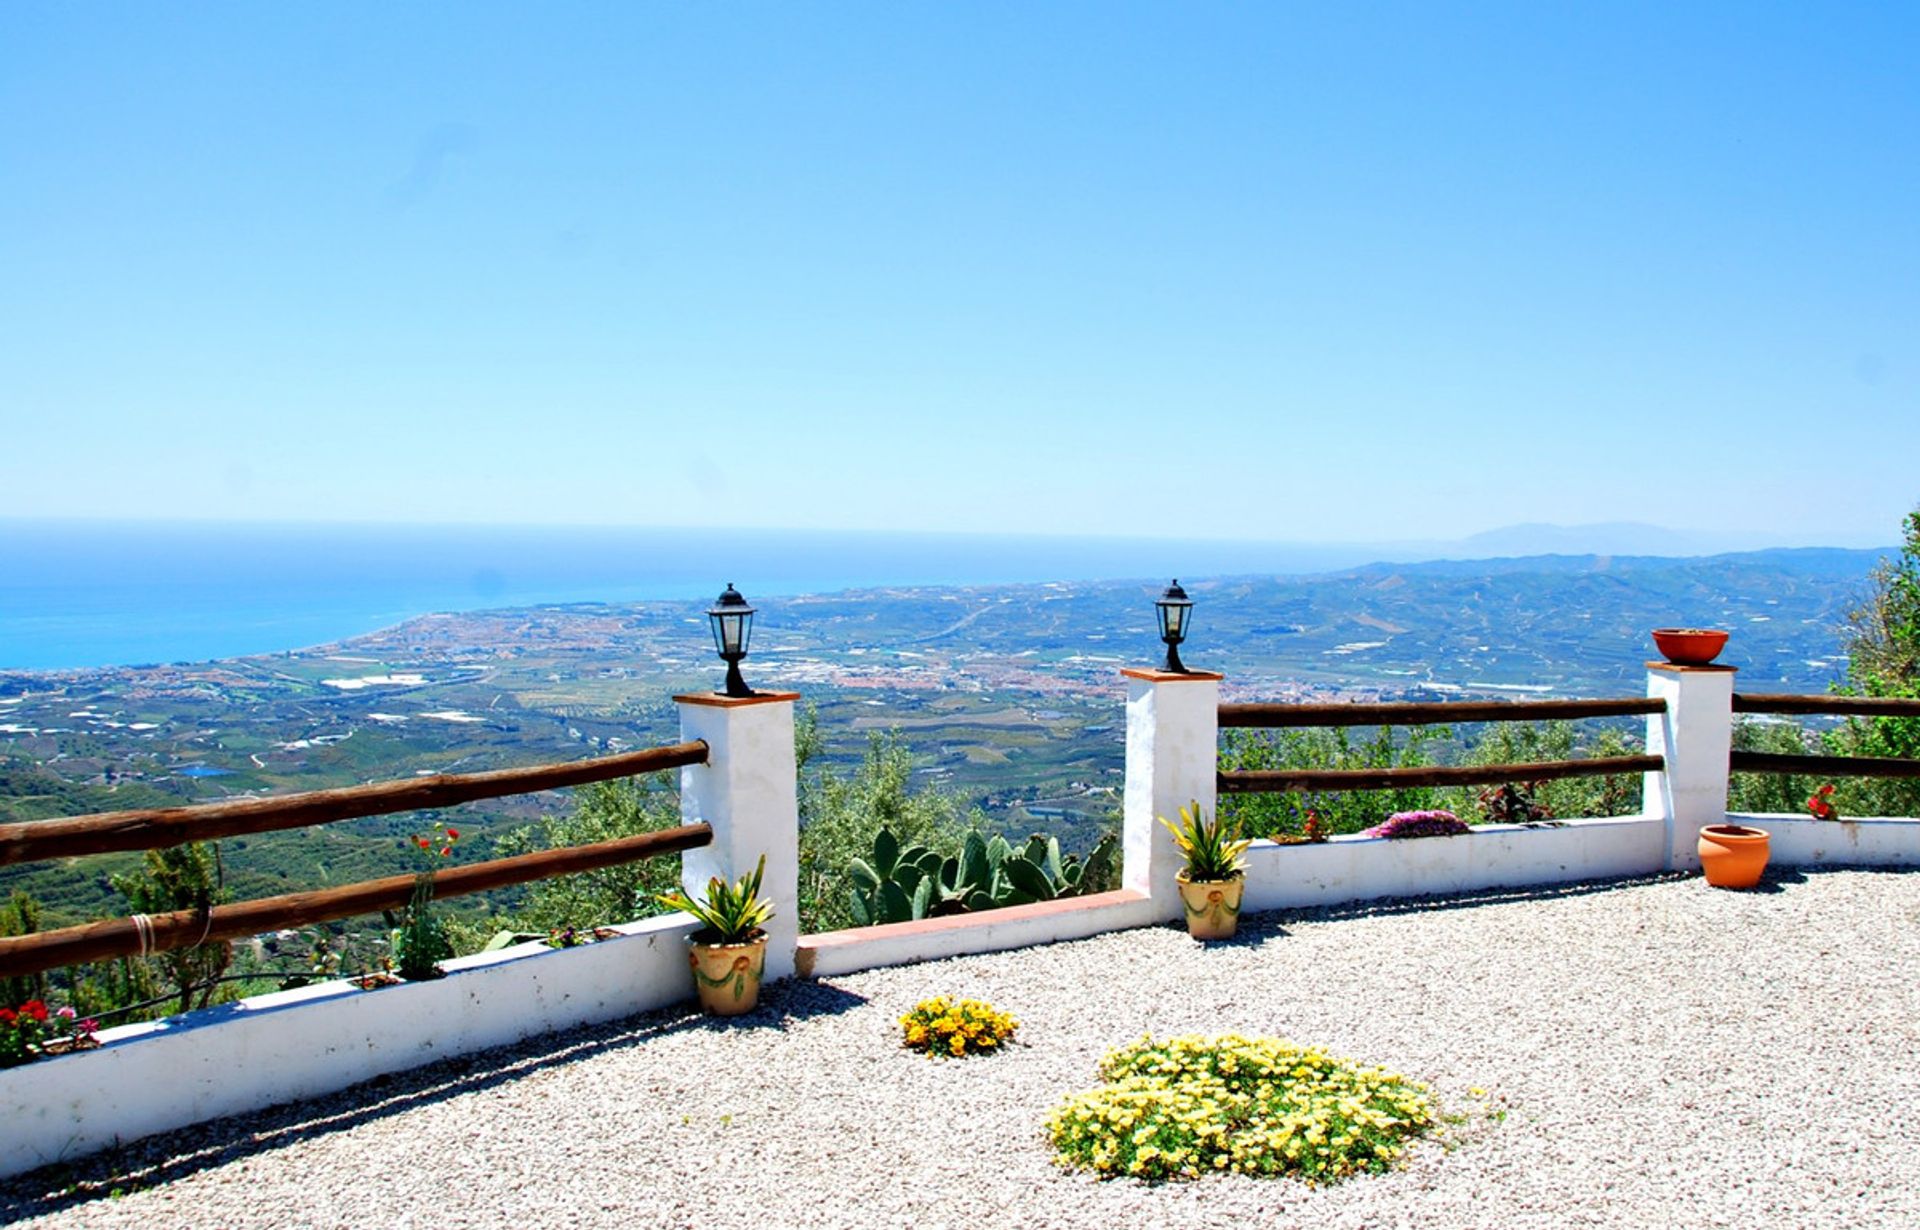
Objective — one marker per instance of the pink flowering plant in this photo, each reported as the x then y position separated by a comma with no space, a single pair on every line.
30,1031
1436,823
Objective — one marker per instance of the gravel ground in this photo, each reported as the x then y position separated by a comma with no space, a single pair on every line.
1666,1055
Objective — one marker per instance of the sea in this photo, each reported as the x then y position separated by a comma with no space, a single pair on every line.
76,594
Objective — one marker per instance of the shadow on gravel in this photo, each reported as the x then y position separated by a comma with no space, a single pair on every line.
1773,880
1781,879
158,1160
1461,901
1253,931
1776,880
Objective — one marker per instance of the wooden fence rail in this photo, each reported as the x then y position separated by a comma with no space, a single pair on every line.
123,937
1823,766
1850,706
158,828
1278,781
1423,713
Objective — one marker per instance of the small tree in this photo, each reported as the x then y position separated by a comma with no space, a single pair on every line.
603,811
182,878
1883,659
1263,815
21,916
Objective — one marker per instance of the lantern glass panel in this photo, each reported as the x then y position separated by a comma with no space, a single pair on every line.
730,632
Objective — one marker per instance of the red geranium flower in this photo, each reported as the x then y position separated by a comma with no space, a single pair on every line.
453,834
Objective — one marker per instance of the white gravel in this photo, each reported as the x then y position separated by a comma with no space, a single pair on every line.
1667,1055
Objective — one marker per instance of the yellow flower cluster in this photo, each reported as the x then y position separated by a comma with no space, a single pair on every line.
1261,1106
941,1026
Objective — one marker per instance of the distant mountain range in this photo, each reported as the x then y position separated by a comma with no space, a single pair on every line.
1570,623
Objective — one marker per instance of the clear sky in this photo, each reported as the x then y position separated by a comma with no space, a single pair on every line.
1301,272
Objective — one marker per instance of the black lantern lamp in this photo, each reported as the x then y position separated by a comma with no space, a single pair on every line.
1176,612
732,621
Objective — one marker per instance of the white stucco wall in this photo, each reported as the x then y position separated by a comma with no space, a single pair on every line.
162,1075
1801,841
1355,868
848,952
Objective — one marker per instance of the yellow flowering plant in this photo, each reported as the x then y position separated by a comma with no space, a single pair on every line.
1189,1106
943,1027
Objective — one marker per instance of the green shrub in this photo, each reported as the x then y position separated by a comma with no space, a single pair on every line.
1258,1106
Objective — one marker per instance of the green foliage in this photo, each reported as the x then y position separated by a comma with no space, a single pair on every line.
1769,792
1568,798
732,912
184,877
1319,748
898,884
1258,1106
841,814
1883,641
604,811
1883,659
1212,847
421,942
1357,810
21,916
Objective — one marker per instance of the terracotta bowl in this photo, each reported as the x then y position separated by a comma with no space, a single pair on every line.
1689,646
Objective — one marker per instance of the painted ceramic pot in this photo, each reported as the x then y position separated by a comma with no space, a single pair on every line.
727,976
1212,906
1733,855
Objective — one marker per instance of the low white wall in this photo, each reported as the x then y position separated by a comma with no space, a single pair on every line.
161,1075
1355,868
1802,841
861,948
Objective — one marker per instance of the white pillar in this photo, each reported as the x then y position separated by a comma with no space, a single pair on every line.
1173,732
1696,736
748,792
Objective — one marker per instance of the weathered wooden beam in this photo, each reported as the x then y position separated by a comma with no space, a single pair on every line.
158,828
1823,766
1425,713
121,937
1850,706
1291,781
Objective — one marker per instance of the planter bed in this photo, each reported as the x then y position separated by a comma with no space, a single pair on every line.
1356,868
157,1076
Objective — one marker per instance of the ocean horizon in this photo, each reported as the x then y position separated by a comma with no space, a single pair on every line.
84,594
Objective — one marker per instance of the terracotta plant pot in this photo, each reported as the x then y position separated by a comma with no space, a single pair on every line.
727,976
1733,855
1689,646
1212,906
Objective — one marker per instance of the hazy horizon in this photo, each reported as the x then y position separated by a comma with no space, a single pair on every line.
76,594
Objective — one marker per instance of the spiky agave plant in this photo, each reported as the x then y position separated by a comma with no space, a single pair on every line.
1212,846
731,913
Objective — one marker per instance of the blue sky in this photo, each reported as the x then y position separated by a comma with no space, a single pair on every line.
1267,271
